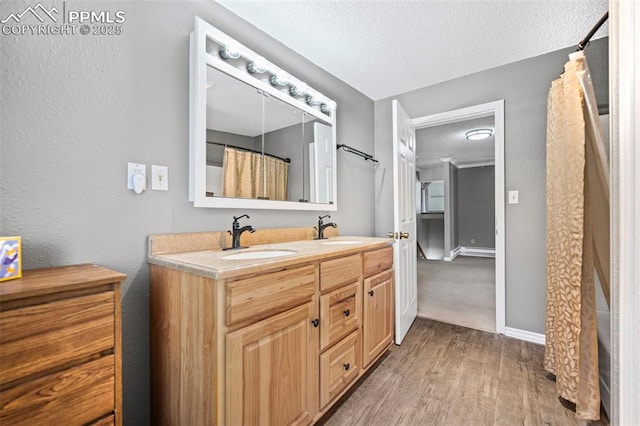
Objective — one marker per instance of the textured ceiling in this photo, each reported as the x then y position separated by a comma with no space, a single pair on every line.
449,141
384,48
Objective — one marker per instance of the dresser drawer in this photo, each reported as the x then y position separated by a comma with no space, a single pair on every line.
262,296
334,273
36,338
377,261
339,366
340,313
78,395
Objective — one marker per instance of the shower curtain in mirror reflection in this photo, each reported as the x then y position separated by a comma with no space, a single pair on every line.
577,235
252,175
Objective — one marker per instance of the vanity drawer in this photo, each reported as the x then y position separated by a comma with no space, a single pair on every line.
78,395
377,261
39,337
340,313
265,295
334,273
339,366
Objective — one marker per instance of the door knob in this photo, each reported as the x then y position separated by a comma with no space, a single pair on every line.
393,235
370,292
347,366
347,313
315,322
404,235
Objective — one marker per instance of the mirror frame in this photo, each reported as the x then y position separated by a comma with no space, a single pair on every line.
199,60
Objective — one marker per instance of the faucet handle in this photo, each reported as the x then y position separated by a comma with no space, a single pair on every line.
235,219
322,217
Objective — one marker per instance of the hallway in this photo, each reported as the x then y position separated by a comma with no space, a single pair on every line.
461,292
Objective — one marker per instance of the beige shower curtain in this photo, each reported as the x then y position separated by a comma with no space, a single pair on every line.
577,236
252,175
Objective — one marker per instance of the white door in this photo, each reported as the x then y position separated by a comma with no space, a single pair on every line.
404,220
322,164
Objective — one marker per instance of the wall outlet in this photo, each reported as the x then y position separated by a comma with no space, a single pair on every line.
159,178
513,197
137,177
473,241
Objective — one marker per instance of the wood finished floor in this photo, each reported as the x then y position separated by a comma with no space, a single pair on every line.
444,374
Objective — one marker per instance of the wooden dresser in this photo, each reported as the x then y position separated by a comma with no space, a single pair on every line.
60,347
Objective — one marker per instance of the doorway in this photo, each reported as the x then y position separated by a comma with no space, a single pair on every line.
462,278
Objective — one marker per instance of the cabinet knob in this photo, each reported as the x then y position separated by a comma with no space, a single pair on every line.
347,312
370,292
315,322
347,366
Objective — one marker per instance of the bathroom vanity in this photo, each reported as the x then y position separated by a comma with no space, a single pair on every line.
274,334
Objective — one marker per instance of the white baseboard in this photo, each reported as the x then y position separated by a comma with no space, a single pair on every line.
527,336
477,251
453,254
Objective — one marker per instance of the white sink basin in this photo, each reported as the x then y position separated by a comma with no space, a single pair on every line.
258,254
338,242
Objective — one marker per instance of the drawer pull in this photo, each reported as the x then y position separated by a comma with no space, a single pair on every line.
370,292
347,313
315,322
347,366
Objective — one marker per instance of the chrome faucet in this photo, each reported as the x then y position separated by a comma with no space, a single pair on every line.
237,232
321,227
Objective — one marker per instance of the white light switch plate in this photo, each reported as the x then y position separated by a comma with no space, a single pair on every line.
159,178
513,197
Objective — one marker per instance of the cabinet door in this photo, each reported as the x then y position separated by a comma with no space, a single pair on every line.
378,314
272,370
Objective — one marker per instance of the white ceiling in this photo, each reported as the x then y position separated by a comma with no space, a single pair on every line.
449,141
384,48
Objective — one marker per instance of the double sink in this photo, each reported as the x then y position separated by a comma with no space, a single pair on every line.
265,254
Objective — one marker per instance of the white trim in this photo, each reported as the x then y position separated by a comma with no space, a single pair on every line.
477,164
527,336
477,251
624,99
449,160
453,254
496,109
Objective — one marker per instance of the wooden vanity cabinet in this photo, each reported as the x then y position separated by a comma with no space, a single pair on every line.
271,370
278,347
60,353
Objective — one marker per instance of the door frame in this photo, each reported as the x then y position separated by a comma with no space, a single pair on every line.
624,99
495,108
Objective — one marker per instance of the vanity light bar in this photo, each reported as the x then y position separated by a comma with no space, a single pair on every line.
230,49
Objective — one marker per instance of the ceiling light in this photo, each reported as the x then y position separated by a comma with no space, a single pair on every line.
477,134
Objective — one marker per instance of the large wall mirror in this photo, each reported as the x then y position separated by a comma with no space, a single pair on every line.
259,137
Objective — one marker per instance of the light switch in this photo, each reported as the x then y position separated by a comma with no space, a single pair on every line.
513,197
159,178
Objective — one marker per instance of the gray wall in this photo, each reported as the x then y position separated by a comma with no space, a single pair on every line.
524,86
476,207
215,153
288,142
428,174
76,108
